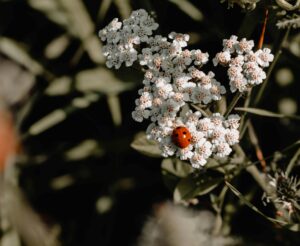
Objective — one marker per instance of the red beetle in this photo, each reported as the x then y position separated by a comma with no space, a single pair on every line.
181,137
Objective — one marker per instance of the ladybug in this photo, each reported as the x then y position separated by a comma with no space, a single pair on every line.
181,137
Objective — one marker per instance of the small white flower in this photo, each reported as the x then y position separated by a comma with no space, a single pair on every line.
146,57
142,33
222,58
168,149
164,91
244,46
113,26
204,148
165,121
114,61
182,61
217,90
234,72
229,44
205,125
149,24
145,100
232,136
238,83
195,73
217,119
253,73
206,80
201,95
188,90
251,57
129,56
170,108
181,79
237,61
199,57
217,134
186,153
222,149
179,38
264,57
233,121
198,161
140,114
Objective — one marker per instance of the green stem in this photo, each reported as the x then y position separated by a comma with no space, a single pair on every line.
232,104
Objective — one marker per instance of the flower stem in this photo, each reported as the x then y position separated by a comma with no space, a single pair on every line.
232,104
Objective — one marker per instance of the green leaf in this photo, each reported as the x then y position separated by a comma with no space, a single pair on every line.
59,115
189,9
197,185
124,8
173,170
104,7
74,17
18,53
60,86
83,150
114,105
145,146
263,112
176,167
57,46
100,80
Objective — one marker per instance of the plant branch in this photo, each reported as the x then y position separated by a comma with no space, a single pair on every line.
232,104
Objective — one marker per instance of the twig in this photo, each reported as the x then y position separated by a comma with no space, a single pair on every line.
233,103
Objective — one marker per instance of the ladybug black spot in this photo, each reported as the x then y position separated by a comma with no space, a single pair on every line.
184,132
176,135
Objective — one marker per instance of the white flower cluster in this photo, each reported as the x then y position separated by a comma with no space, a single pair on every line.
207,137
245,67
123,38
172,79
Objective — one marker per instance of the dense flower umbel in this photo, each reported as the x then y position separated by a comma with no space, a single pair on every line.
210,136
173,79
245,67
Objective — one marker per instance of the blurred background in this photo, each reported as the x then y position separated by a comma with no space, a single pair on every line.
72,115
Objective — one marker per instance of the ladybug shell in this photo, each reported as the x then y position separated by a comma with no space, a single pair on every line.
181,137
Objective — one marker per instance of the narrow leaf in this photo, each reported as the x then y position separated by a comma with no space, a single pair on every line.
266,113
113,102
100,80
189,9
57,46
16,52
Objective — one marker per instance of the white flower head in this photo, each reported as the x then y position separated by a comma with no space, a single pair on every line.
179,38
229,44
264,57
222,58
199,57
244,46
